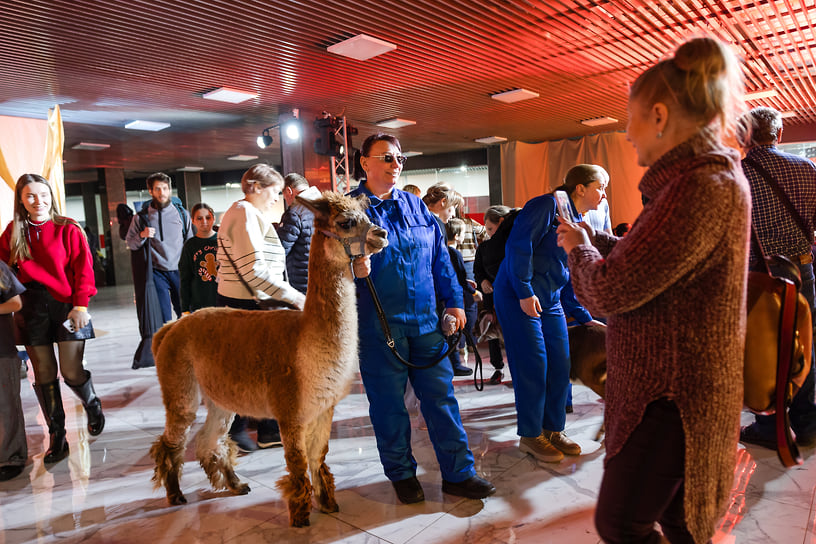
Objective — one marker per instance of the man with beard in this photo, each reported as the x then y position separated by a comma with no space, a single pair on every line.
167,225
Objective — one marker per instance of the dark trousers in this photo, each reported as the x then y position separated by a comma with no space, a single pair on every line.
168,287
239,424
644,482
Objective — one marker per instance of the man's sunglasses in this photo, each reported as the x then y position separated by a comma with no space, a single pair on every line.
388,158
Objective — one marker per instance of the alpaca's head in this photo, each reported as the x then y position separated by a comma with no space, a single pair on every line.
343,218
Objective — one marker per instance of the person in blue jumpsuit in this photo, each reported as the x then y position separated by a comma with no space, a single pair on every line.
408,275
531,294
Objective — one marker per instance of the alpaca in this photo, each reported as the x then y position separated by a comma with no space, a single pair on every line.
292,365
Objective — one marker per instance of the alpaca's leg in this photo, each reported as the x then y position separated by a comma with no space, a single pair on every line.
216,452
180,394
317,446
295,486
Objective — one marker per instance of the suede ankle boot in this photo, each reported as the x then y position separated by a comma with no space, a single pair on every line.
91,403
51,404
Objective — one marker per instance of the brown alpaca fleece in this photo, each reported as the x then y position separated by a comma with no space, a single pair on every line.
674,290
291,365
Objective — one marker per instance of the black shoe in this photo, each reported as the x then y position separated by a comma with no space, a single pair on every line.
496,378
269,440
750,435
50,398
91,403
10,471
409,491
244,442
472,488
806,440
462,371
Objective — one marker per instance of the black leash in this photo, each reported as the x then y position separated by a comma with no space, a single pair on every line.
478,383
389,339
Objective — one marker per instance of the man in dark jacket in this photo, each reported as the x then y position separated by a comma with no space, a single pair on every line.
295,229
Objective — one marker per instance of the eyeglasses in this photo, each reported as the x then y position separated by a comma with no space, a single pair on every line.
388,158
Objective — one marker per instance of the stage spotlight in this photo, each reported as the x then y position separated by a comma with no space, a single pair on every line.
291,131
264,140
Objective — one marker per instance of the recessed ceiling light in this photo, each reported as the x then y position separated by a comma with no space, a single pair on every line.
491,140
361,47
412,153
599,121
190,169
516,95
242,158
87,146
151,126
758,95
395,122
225,94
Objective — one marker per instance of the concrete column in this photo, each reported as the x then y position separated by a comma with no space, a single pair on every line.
494,178
89,204
189,188
114,179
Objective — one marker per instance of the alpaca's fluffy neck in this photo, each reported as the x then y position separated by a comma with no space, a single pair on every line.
330,298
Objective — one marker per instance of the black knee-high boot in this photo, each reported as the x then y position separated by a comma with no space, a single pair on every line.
91,403
51,403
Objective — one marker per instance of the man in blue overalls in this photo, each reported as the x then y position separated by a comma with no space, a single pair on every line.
409,275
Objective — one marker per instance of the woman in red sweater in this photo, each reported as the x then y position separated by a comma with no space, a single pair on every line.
53,261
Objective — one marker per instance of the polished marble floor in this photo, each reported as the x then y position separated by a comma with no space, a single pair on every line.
103,494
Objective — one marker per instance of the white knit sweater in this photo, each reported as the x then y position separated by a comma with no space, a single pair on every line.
254,247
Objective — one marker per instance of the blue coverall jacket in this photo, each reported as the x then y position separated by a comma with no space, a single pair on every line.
409,275
537,347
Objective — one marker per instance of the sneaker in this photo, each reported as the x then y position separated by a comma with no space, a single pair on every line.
540,448
496,378
472,488
561,441
269,440
409,491
462,370
750,434
244,442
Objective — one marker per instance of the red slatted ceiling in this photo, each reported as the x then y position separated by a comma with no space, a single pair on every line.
156,57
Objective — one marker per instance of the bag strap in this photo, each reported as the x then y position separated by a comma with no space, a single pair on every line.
234,267
786,448
783,198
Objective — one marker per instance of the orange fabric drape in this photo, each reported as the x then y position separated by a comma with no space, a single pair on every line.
529,170
30,145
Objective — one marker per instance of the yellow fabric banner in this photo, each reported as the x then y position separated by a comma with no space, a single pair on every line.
5,173
52,159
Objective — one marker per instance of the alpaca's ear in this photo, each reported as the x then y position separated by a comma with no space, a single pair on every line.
319,206
363,200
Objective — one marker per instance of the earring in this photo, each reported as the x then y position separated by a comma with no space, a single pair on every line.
659,134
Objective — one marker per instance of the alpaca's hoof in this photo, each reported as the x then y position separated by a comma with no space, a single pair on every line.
330,508
241,489
301,522
176,500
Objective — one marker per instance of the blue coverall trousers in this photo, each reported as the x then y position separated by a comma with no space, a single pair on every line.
538,356
385,379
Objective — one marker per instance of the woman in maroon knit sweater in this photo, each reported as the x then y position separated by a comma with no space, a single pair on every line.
53,261
674,292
